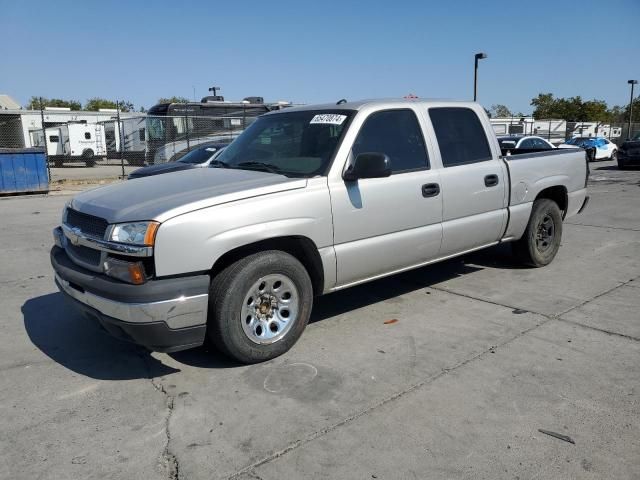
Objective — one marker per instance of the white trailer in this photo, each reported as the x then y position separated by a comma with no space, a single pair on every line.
127,138
76,141
552,130
513,125
596,129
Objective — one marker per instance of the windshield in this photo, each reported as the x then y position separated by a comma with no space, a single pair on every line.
155,128
199,155
296,144
636,137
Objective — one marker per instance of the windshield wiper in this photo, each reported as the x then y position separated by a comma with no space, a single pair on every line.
265,167
219,164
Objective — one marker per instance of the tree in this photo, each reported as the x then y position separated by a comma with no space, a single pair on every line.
500,111
173,100
544,105
572,109
34,103
94,104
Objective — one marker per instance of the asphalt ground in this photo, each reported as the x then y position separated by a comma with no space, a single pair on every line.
483,356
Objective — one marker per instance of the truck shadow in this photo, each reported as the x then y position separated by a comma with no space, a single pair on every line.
82,346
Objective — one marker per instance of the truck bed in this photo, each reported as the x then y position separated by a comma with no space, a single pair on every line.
526,181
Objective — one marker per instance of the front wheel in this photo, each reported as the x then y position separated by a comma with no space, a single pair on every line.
541,240
259,306
614,156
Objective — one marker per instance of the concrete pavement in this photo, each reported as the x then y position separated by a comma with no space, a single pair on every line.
483,355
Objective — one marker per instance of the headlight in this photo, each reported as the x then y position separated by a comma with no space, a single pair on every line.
137,233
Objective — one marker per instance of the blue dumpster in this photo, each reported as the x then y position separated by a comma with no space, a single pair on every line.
23,170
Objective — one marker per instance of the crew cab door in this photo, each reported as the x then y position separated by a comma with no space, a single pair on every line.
382,225
473,181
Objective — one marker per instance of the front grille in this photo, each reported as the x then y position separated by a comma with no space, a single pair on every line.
84,254
88,224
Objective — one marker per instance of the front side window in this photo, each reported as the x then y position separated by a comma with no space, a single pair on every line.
54,138
460,136
397,134
296,144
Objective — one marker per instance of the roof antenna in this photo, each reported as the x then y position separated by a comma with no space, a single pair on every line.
341,101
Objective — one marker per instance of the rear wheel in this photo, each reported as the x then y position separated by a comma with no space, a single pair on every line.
541,240
88,157
259,306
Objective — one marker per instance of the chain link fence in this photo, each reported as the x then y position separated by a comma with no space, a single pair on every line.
110,144
558,131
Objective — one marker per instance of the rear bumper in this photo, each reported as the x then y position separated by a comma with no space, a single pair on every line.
162,315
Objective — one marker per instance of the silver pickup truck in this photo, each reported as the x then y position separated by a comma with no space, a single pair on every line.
306,201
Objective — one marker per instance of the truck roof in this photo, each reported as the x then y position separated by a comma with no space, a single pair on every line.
386,102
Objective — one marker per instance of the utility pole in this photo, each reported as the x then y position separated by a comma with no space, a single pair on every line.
44,138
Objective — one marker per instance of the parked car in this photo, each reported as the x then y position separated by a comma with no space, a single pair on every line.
199,157
306,201
513,144
598,148
629,153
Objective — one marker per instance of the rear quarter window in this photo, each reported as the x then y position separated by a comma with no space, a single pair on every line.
461,137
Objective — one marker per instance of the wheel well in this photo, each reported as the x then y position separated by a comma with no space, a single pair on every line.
558,194
302,248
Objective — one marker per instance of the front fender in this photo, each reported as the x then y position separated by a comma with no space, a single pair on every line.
194,241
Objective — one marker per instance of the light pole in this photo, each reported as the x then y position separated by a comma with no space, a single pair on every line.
632,83
478,56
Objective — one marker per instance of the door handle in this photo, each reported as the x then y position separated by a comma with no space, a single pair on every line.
491,180
430,190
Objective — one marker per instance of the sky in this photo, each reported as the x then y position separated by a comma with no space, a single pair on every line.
319,51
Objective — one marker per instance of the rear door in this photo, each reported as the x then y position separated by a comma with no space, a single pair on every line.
382,225
473,181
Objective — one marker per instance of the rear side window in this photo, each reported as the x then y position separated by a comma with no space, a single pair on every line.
87,135
460,136
397,134
54,138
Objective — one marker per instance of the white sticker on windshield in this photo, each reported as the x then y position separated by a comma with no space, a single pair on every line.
329,118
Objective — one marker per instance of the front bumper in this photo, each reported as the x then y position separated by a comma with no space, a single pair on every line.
162,315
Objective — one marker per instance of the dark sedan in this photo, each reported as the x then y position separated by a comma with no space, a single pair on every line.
200,156
629,153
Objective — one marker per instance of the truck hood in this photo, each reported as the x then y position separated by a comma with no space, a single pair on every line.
161,197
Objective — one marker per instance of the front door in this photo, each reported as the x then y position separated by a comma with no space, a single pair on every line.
382,225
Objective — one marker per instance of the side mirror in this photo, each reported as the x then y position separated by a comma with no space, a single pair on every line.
368,165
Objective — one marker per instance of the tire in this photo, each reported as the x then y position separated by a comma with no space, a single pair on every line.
58,163
259,306
621,166
614,156
88,157
541,240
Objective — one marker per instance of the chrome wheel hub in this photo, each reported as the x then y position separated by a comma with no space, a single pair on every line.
545,233
270,309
